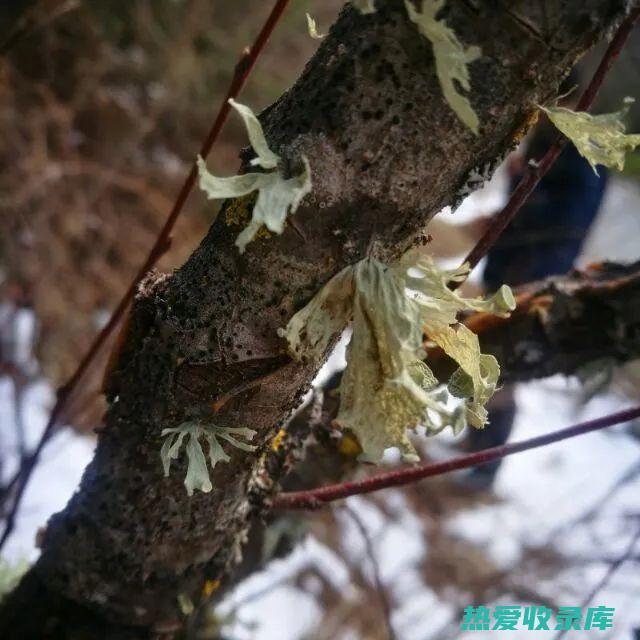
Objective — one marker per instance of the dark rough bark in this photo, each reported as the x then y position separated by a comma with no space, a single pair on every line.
563,324
386,153
11,22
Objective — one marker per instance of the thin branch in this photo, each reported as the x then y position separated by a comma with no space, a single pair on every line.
316,498
375,568
242,71
632,472
606,578
537,169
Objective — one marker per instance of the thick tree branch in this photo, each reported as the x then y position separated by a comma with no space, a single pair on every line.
386,154
564,323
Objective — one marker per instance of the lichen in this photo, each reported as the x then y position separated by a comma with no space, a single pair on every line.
313,29
10,575
364,6
451,58
600,139
277,195
387,387
197,476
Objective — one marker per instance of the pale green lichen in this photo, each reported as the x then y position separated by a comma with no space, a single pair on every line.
10,575
600,139
451,58
197,472
311,330
387,387
313,29
277,196
364,6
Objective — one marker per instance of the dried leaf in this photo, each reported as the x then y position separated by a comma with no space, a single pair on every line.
313,29
277,196
600,139
386,387
364,6
451,58
197,473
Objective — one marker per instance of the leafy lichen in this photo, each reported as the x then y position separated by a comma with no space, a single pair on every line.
451,58
600,139
277,195
387,387
197,472
313,29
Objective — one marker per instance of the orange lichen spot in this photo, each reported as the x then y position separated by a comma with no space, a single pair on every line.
239,213
540,306
219,403
209,587
528,122
278,440
239,210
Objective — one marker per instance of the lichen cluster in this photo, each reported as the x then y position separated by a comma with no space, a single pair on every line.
387,386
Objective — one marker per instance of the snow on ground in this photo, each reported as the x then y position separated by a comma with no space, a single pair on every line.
540,491
54,479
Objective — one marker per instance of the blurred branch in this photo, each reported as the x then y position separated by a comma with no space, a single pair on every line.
316,498
607,577
375,568
594,510
13,22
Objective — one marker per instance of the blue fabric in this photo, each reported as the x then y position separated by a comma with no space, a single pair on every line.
547,234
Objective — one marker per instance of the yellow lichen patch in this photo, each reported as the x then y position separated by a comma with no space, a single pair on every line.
599,139
349,446
239,211
521,131
278,440
386,387
209,587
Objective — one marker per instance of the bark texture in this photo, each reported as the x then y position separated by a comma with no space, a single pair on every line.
566,323
386,154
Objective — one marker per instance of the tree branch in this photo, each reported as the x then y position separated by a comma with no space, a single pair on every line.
562,324
316,498
386,153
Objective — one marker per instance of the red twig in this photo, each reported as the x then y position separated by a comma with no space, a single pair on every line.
315,498
243,68
375,568
536,170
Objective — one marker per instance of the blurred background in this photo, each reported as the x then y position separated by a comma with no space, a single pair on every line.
103,106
